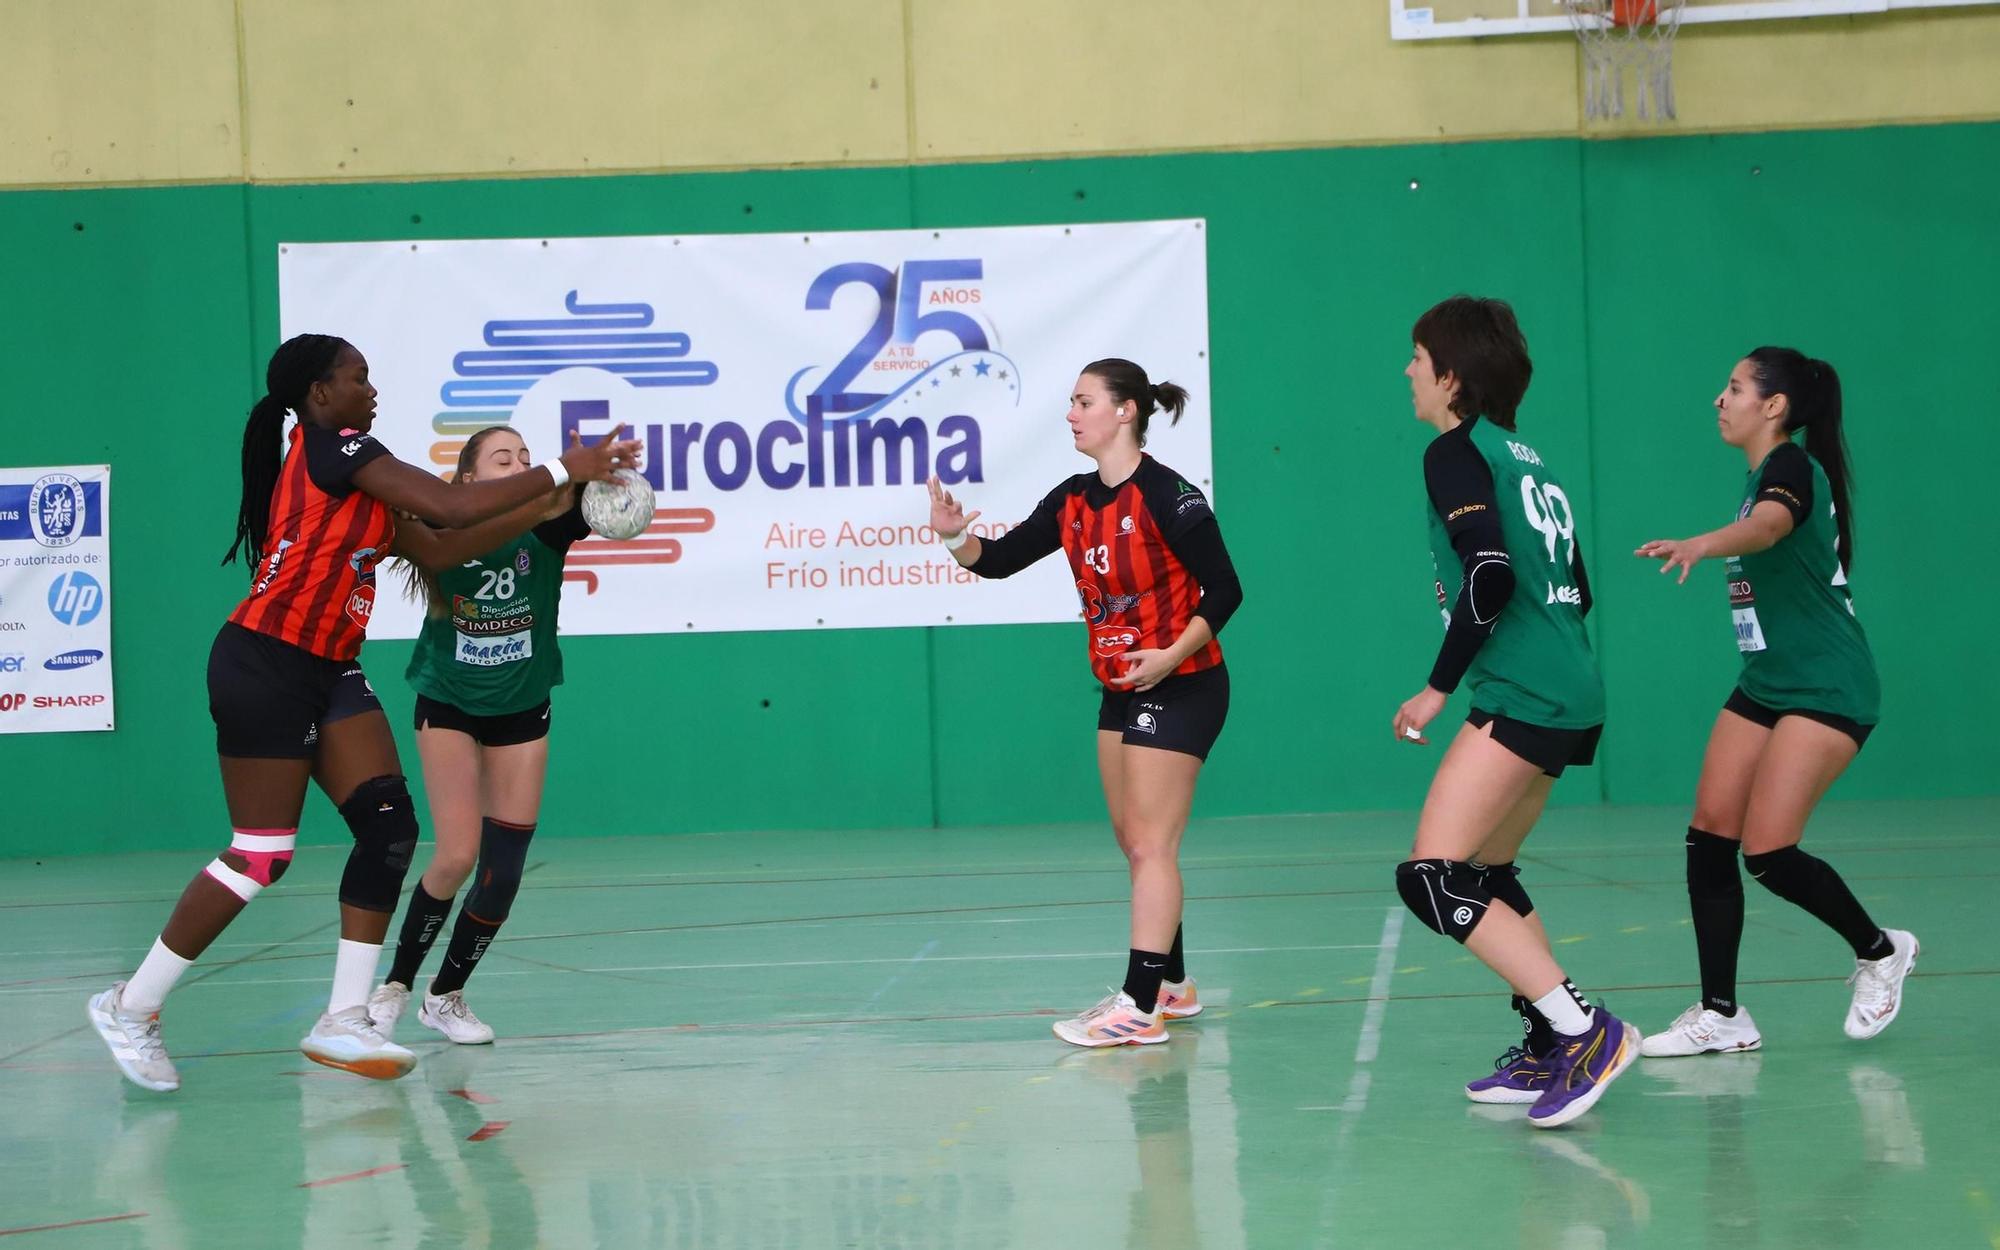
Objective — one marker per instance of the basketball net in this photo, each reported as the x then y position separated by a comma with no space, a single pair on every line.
1621,36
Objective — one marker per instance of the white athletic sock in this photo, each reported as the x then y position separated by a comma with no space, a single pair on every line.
353,974
1564,1011
150,985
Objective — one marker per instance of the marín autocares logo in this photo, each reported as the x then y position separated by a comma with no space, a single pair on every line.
57,510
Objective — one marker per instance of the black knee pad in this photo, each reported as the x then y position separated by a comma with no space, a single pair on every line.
1444,894
503,856
1711,865
1503,881
384,822
1787,872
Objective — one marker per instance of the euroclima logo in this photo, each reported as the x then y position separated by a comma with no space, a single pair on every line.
889,412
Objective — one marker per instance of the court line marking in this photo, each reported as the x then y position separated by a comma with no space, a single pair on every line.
48,1228
520,1041
500,951
353,1176
1611,850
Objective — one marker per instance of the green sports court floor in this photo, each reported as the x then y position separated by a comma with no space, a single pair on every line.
809,1039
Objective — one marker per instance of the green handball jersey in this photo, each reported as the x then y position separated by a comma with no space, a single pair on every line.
1537,666
488,646
1795,625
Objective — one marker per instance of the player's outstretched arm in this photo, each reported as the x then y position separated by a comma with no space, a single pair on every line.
456,506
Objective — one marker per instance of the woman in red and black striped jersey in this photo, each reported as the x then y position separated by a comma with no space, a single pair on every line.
1157,586
288,696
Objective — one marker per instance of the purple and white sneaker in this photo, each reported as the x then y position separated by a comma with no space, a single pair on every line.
1581,1066
1517,1077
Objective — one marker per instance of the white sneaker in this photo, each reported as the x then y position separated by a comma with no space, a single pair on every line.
349,1040
1115,1021
386,1004
134,1039
448,1014
1699,1031
1878,985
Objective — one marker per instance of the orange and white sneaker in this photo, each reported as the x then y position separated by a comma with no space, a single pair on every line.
1115,1021
1178,1000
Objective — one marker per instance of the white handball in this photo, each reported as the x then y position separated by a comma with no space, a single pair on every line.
619,508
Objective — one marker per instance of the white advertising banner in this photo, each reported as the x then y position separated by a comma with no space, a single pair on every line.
794,392
55,599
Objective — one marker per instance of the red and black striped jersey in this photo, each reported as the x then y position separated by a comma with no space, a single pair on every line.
1134,550
315,587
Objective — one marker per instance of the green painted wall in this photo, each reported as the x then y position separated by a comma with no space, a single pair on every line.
1640,269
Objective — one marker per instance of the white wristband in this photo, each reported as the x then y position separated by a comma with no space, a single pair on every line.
557,470
956,540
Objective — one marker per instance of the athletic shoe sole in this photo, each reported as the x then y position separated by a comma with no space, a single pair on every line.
1095,1043
1628,1050
1173,1014
429,1021
1734,1048
375,1068
1503,1097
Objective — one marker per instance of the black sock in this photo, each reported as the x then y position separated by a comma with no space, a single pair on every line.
1537,1034
1715,900
469,939
421,923
1176,960
1812,884
1143,971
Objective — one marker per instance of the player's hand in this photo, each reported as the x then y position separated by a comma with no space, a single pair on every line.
1146,668
1418,710
1681,553
594,462
948,519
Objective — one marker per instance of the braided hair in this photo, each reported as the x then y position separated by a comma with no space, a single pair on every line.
295,366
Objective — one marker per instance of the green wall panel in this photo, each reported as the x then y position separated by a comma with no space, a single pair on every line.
1640,270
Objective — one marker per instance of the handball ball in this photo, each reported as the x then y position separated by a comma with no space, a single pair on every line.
620,507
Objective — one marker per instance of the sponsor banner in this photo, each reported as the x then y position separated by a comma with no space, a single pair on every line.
55,599
793,392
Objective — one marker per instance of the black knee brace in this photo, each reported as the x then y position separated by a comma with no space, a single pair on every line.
1789,873
1503,881
1445,894
503,855
384,822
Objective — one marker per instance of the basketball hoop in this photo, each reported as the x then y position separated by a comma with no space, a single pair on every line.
1621,35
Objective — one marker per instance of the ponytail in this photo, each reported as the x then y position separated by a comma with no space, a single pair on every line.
1812,390
295,366
1127,384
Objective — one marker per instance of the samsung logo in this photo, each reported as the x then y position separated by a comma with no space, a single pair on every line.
72,659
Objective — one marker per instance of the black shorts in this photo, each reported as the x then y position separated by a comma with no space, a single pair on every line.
506,730
1758,714
1183,713
269,698
1550,750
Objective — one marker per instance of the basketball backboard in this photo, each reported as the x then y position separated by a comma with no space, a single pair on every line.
1463,19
